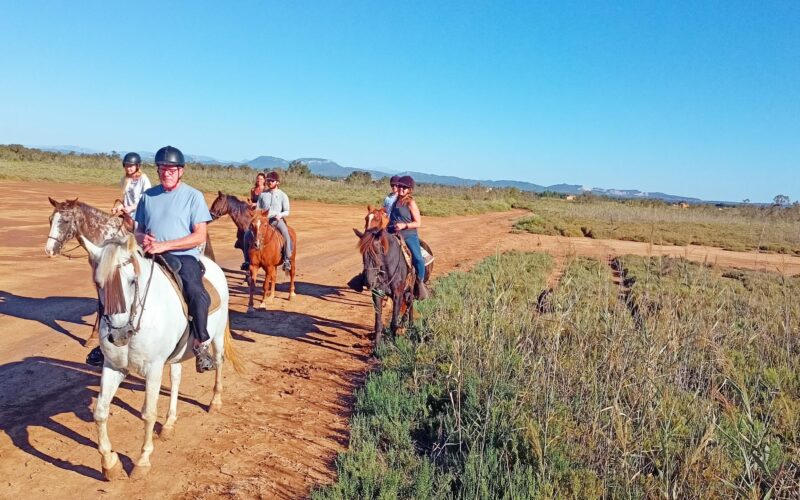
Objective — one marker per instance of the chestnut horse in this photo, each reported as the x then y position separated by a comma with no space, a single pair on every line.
388,275
266,252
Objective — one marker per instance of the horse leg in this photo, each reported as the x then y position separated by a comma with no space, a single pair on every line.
377,304
149,415
251,282
109,382
397,303
268,280
172,414
291,277
219,349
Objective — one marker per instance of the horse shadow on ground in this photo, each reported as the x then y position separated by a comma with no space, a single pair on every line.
238,286
301,327
39,388
49,310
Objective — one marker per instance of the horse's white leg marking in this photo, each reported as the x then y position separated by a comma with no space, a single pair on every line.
149,414
172,414
49,247
109,382
219,349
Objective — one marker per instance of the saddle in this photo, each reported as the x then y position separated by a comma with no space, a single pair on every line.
177,284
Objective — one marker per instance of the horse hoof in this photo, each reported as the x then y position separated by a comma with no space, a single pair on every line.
215,407
115,472
166,433
263,306
292,295
140,471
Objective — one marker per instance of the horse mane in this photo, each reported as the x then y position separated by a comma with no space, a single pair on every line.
366,246
107,276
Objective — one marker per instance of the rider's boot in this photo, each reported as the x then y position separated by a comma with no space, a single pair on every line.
420,290
357,283
287,265
203,360
95,357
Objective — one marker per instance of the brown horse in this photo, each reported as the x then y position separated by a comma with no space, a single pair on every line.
241,214
388,275
266,252
378,219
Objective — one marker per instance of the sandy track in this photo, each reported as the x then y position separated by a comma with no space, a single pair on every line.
284,420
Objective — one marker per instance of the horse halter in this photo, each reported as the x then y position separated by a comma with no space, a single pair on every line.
66,236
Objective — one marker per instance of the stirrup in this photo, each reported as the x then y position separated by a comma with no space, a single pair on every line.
203,360
287,265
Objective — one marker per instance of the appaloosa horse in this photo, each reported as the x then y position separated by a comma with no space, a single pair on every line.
387,274
265,251
142,330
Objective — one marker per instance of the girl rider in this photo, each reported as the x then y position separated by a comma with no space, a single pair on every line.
405,219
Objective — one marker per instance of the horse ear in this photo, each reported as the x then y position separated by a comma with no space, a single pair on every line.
220,193
369,208
358,233
94,250
53,202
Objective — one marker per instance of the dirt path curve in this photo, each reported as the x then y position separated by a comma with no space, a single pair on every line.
283,421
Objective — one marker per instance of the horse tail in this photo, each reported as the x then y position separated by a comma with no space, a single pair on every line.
230,351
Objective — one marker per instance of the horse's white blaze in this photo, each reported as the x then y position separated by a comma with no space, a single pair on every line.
369,219
50,246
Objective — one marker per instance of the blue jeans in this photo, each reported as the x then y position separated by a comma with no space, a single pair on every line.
281,226
412,241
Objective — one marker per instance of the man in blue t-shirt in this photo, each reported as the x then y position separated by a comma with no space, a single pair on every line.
171,221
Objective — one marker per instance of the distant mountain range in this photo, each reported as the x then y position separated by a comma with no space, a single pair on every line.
328,168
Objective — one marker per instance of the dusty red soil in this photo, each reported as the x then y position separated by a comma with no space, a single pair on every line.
284,420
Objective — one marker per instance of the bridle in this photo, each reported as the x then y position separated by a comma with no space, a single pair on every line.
69,235
383,278
137,305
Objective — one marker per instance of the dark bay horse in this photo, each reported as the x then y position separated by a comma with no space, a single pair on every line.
388,275
265,251
377,218
241,215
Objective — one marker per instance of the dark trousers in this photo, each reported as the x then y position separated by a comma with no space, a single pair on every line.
194,292
412,241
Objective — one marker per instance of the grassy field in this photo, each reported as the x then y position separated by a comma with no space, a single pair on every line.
743,228
684,384
768,229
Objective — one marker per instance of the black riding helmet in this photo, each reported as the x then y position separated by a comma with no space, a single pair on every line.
132,159
170,156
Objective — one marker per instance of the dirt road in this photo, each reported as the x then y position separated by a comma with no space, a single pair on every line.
283,421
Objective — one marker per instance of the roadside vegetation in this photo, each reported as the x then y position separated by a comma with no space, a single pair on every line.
20,163
682,383
774,229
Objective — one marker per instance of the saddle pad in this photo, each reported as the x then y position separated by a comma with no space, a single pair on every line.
212,293
426,257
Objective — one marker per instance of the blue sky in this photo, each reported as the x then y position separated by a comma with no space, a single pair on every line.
687,97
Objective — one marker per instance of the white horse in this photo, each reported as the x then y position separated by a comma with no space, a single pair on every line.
142,324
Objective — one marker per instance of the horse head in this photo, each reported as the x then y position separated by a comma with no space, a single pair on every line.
117,279
374,246
258,225
376,218
63,225
220,206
